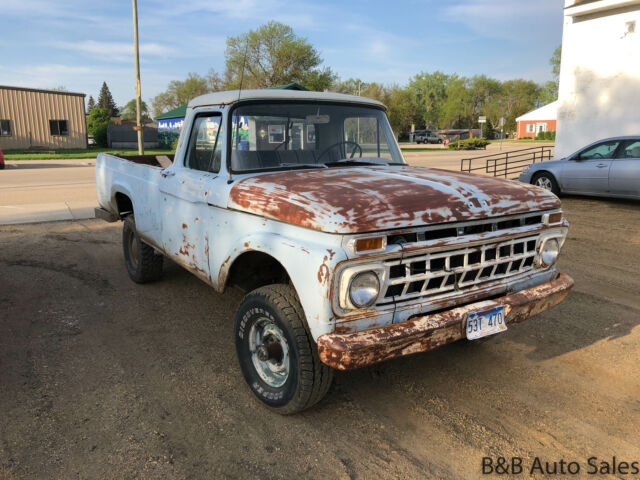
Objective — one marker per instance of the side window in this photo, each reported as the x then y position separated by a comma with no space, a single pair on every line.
601,150
631,149
205,143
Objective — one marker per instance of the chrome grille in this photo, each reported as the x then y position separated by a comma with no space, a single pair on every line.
434,274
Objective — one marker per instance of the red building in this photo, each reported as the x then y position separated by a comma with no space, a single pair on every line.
542,119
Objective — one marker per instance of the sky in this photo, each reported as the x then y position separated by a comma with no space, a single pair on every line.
79,44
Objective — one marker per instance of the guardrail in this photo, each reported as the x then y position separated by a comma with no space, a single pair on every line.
506,164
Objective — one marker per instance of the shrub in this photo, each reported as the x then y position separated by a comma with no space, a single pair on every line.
469,144
174,145
97,125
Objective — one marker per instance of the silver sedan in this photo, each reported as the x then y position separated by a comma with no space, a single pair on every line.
608,168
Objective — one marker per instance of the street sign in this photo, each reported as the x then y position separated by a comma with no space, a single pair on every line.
482,119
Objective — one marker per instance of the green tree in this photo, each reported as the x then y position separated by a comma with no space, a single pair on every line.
274,55
179,92
91,104
351,86
105,101
487,129
128,112
554,61
518,97
549,91
97,125
429,92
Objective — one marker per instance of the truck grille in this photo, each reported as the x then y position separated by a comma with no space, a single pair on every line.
434,274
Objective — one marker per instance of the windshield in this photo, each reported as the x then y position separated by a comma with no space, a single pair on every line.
310,135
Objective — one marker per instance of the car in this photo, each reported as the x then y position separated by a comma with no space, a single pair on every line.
427,136
608,167
347,255
91,141
1,160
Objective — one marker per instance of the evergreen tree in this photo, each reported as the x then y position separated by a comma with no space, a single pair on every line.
91,104
105,100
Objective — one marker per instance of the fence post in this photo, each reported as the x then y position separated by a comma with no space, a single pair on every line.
506,164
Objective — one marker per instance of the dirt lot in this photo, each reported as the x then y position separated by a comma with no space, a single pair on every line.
102,378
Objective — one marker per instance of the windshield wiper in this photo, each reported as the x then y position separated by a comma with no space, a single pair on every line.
302,165
356,163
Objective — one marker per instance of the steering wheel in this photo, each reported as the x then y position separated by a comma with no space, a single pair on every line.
345,142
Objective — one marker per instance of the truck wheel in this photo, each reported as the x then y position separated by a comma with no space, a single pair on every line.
546,181
143,264
277,355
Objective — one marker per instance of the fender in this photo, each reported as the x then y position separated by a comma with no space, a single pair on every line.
310,267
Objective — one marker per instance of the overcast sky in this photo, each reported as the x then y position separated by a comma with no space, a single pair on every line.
80,44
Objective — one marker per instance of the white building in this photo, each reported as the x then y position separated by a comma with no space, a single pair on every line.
599,93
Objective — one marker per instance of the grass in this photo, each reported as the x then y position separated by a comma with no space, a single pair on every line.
76,153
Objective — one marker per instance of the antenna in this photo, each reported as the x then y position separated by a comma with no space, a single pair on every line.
244,62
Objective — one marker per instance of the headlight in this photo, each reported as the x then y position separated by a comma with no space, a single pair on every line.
364,289
525,169
549,252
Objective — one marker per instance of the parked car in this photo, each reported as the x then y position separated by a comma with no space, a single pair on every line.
1,160
348,255
91,142
426,136
609,167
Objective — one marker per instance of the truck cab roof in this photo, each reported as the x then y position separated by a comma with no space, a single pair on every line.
233,96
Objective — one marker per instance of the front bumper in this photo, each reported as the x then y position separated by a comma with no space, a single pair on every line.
420,334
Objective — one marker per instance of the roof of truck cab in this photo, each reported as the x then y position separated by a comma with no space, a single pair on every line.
232,96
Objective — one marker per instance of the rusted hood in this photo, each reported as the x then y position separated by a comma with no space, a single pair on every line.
367,199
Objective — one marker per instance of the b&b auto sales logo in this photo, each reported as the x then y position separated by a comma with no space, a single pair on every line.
538,466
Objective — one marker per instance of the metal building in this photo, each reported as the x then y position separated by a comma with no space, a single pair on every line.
31,118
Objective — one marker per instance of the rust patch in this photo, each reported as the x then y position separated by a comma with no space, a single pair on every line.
305,250
355,350
323,272
331,253
246,244
185,226
358,200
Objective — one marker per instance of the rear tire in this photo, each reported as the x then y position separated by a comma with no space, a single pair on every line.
142,262
277,355
547,181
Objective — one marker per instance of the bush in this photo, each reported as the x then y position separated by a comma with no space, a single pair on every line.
97,125
174,145
469,144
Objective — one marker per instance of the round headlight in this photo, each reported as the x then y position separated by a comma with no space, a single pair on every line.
549,252
364,289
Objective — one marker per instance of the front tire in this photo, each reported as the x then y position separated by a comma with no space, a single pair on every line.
142,262
277,355
547,181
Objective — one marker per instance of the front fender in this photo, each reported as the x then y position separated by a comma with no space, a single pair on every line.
310,267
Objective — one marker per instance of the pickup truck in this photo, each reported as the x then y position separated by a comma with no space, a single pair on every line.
348,256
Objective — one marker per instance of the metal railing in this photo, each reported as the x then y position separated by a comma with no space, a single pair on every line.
506,164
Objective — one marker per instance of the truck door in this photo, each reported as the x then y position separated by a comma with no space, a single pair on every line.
588,171
187,217
624,176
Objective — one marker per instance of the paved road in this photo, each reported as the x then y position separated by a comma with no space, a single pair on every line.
104,378
47,190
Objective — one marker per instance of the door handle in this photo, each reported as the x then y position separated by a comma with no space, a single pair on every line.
601,165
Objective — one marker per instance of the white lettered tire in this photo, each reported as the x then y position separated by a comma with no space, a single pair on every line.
277,355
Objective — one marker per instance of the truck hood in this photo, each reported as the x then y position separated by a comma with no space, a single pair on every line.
368,199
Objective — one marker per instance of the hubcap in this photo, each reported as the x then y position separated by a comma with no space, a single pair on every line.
544,182
269,352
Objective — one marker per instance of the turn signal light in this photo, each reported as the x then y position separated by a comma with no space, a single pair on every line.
554,218
368,244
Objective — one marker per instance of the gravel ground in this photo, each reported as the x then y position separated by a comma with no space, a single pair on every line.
103,378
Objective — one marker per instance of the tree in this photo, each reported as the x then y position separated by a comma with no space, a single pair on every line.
554,61
105,101
91,104
429,91
128,112
487,130
549,92
271,56
60,88
97,125
180,92
351,86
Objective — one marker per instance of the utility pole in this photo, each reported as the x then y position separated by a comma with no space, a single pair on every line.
138,127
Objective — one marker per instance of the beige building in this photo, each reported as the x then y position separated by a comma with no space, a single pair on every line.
31,118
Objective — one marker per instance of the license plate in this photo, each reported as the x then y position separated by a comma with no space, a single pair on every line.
488,322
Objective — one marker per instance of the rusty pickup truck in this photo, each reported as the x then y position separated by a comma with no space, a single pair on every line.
348,256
